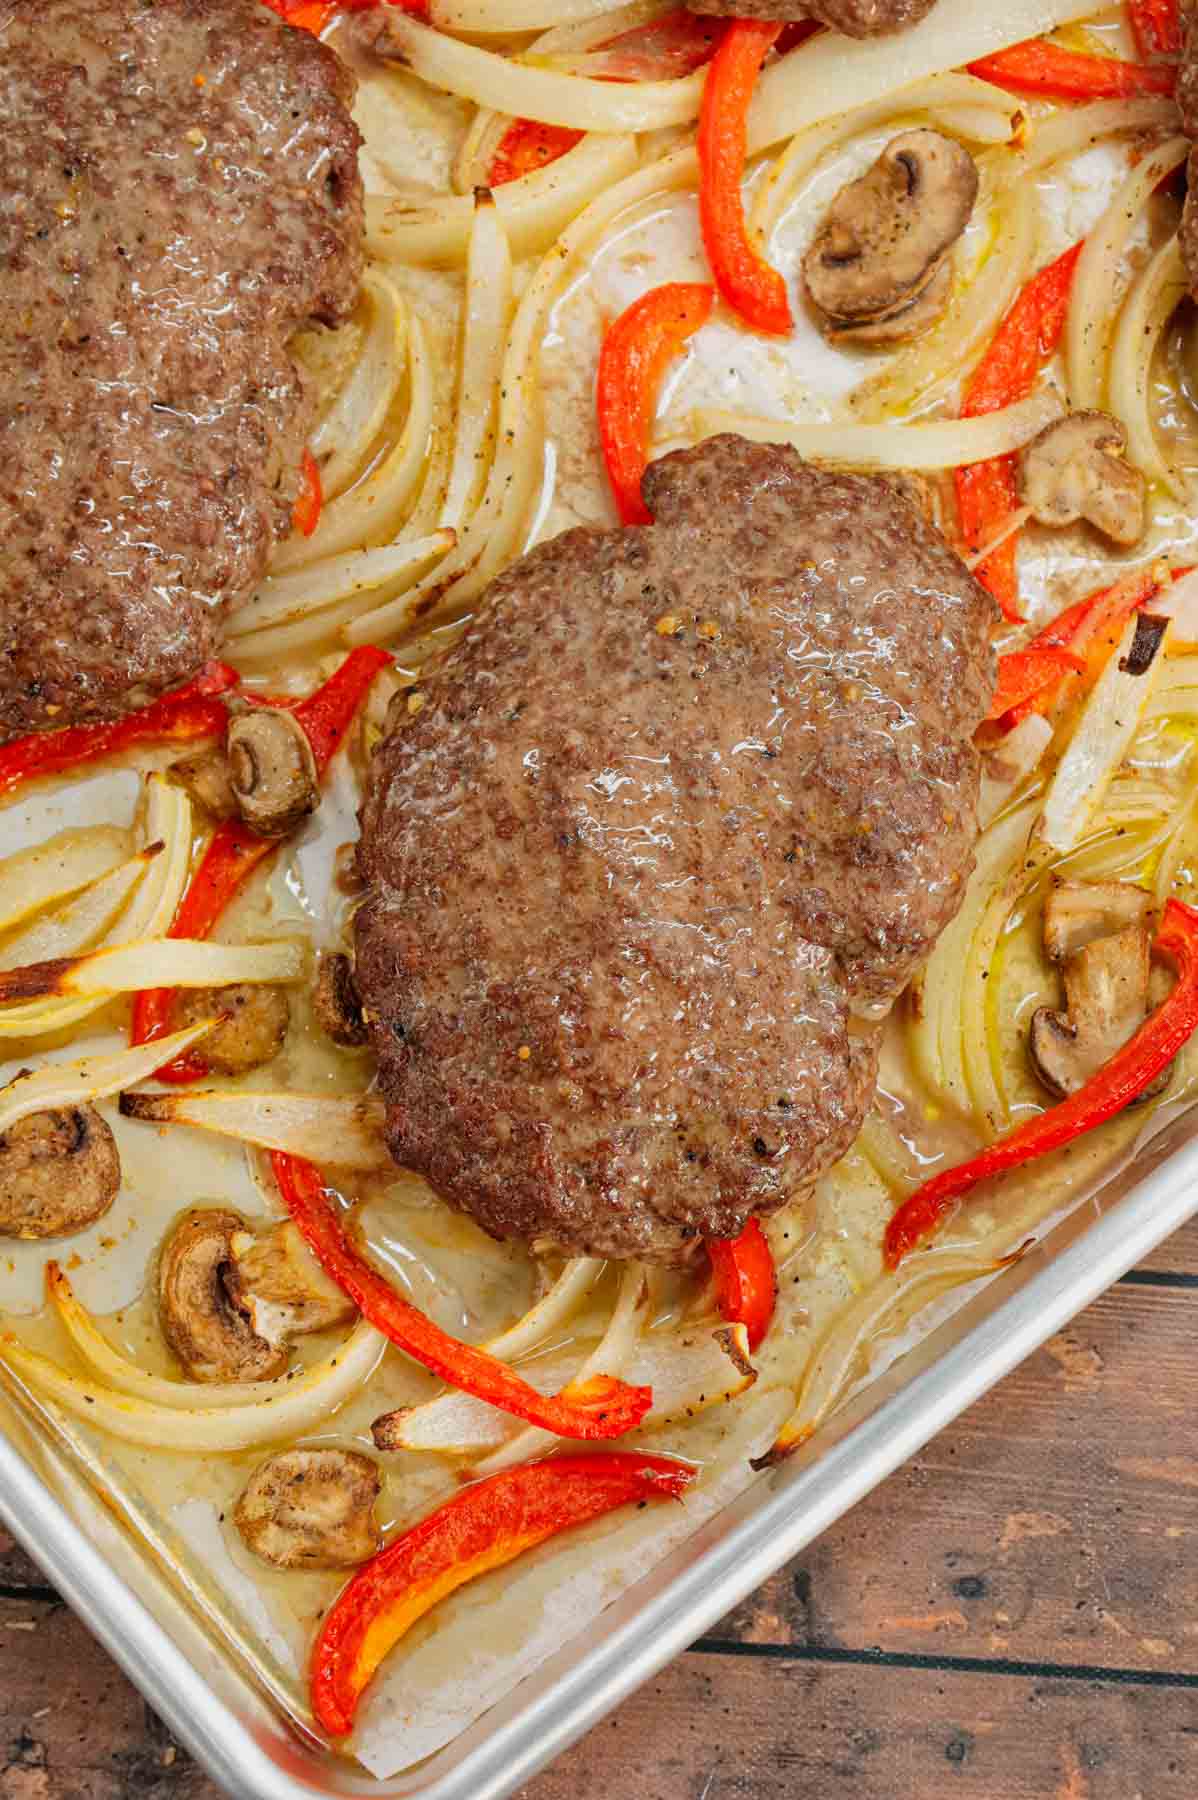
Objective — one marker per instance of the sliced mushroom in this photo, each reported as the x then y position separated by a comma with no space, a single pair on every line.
212,1339
252,1029
273,770
901,326
207,778
59,1172
311,1509
1076,469
1077,912
336,1002
885,235
276,1283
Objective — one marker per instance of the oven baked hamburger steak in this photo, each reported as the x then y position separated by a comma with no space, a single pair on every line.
180,195
653,850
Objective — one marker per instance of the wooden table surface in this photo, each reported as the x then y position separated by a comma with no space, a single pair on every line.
1014,1616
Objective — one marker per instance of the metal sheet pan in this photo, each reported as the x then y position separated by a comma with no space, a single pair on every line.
254,1754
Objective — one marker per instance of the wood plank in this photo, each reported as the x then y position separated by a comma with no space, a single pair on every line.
1056,1522
740,1728
1178,1253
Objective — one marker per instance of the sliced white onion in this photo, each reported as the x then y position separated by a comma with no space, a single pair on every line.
1072,130
167,821
1155,295
328,1128
826,77
943,444
689,1371
285,598
535,208
287,1409
1180,604
476,154
499,18
342,441
68,930
837,1359
1093,302
579,35
373,511
531,93
63,1085
54,870
484,332
155,962
1007,766
576,1280
609,1357
1108,723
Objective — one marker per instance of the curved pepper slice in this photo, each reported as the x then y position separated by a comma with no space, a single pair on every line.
1157,26
747,282
601,1407
180,717
987,492
1066,645
1107,1092
1025,675
1040,67
481,1529
233,851
528,145
746,1280
309,502
636,349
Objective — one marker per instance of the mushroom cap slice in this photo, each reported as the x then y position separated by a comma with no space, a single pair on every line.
206,777
200,1322
905,323
311,1509
253,1023
1076,469
60,1171
273,770
1077,912
1106,991
336,1002
885,234
278,1285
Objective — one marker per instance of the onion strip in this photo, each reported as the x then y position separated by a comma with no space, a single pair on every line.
343,437
501,18
154,962
689,1371
1155,295
82,922
484,330
285,599
54,870
1093,303
346,1129
294,1407
943,444
65,1085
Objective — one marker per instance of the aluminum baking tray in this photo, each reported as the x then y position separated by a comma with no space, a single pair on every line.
248,1747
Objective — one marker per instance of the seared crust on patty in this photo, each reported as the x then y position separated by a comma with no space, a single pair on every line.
685,806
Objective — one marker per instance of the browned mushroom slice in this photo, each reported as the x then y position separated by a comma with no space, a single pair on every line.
901,326
311,1509
885,235
273,770
336,1002
1077,912
1106,1001
207,778
59,1172
1076,469
211,1338
278,1285
252,1029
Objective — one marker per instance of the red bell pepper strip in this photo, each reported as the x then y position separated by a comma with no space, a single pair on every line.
310,500
314,15
233,851
528,145
747,282
746,1280
1041,67
1075,632
1157,27
484,1528
600,1407
987,492
180,717
1024,675
636,350
1107,1092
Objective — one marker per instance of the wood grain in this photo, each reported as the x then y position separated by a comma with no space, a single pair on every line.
1014,1616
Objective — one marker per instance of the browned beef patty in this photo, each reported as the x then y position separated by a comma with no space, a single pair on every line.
672,823
1187,99
179,193
856,18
